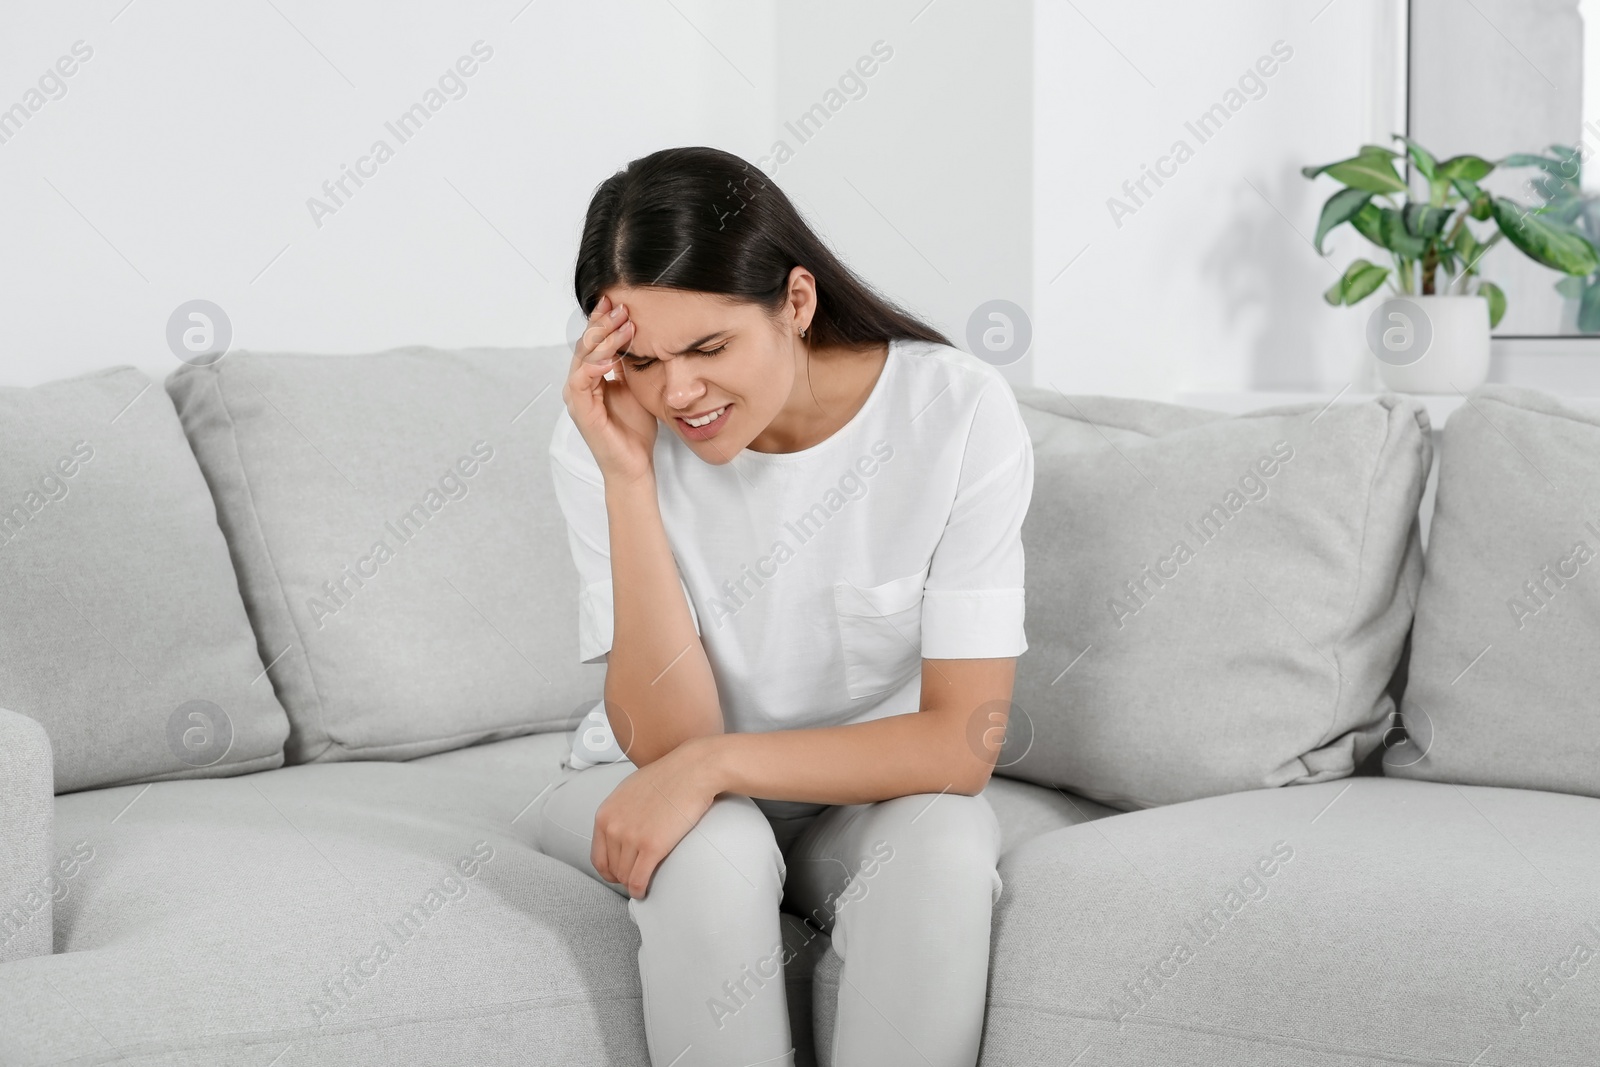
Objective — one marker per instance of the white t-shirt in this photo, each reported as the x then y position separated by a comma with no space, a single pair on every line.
818,580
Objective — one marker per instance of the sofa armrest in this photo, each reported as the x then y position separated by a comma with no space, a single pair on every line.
27,838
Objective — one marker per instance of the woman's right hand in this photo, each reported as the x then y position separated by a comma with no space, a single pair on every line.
620,433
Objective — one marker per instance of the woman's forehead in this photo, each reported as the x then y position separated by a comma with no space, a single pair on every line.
677,321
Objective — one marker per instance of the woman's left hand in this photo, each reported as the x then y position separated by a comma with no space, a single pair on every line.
647,814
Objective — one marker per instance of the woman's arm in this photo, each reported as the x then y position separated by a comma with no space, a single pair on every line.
659,688
951,745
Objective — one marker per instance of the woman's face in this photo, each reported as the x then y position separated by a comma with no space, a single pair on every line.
693,353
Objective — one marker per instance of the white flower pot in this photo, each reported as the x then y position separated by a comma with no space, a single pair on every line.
1431,344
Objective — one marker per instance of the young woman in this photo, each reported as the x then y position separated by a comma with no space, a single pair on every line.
808,593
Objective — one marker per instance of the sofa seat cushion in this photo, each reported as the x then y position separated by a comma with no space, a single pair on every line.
342,913
1368,921
514,775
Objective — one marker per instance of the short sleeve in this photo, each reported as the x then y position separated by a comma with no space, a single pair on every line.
580,493
973,600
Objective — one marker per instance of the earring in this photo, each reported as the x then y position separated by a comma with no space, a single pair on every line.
802,334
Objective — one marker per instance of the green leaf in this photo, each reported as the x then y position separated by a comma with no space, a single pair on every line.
1335,293
1497,302
1368,222
1396,238
1425,220
1371,172
1561,173
1425,163
1360,279
1341,206
1564,210
1530,159
1546,243
1471,168
1571,286
1469,248
1368,172
1589,309
1372,151
1571,167
1561,197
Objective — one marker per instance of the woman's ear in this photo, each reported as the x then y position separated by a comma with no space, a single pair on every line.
802,297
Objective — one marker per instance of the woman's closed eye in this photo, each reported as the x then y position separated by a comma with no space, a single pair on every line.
644,362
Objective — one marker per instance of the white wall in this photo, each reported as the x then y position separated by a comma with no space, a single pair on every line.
1213,283
179,163
925,183
976,165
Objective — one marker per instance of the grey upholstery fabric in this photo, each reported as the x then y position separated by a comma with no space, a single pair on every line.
213,922
347,913
122,632
394,527
1214,603
1026,810
1505,659
1387,922
28,879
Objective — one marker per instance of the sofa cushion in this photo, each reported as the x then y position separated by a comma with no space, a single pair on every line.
394,526
348,913
29,880
1214,603
1505,656
122,631
1372,921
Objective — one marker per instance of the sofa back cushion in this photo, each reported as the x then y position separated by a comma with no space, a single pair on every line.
401,554
123,633
1505,654
1214,603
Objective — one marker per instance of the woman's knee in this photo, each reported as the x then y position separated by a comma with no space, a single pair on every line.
722,884
929,827
731,850
564,823
945,845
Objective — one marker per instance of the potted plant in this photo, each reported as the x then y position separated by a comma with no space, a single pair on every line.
1432,334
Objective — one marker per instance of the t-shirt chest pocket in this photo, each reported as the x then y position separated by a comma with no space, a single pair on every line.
880,627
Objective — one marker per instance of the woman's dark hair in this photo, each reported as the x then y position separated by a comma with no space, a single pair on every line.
705,220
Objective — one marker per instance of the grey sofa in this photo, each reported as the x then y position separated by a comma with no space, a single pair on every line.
282,813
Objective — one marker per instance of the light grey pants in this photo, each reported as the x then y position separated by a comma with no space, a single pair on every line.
904,887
